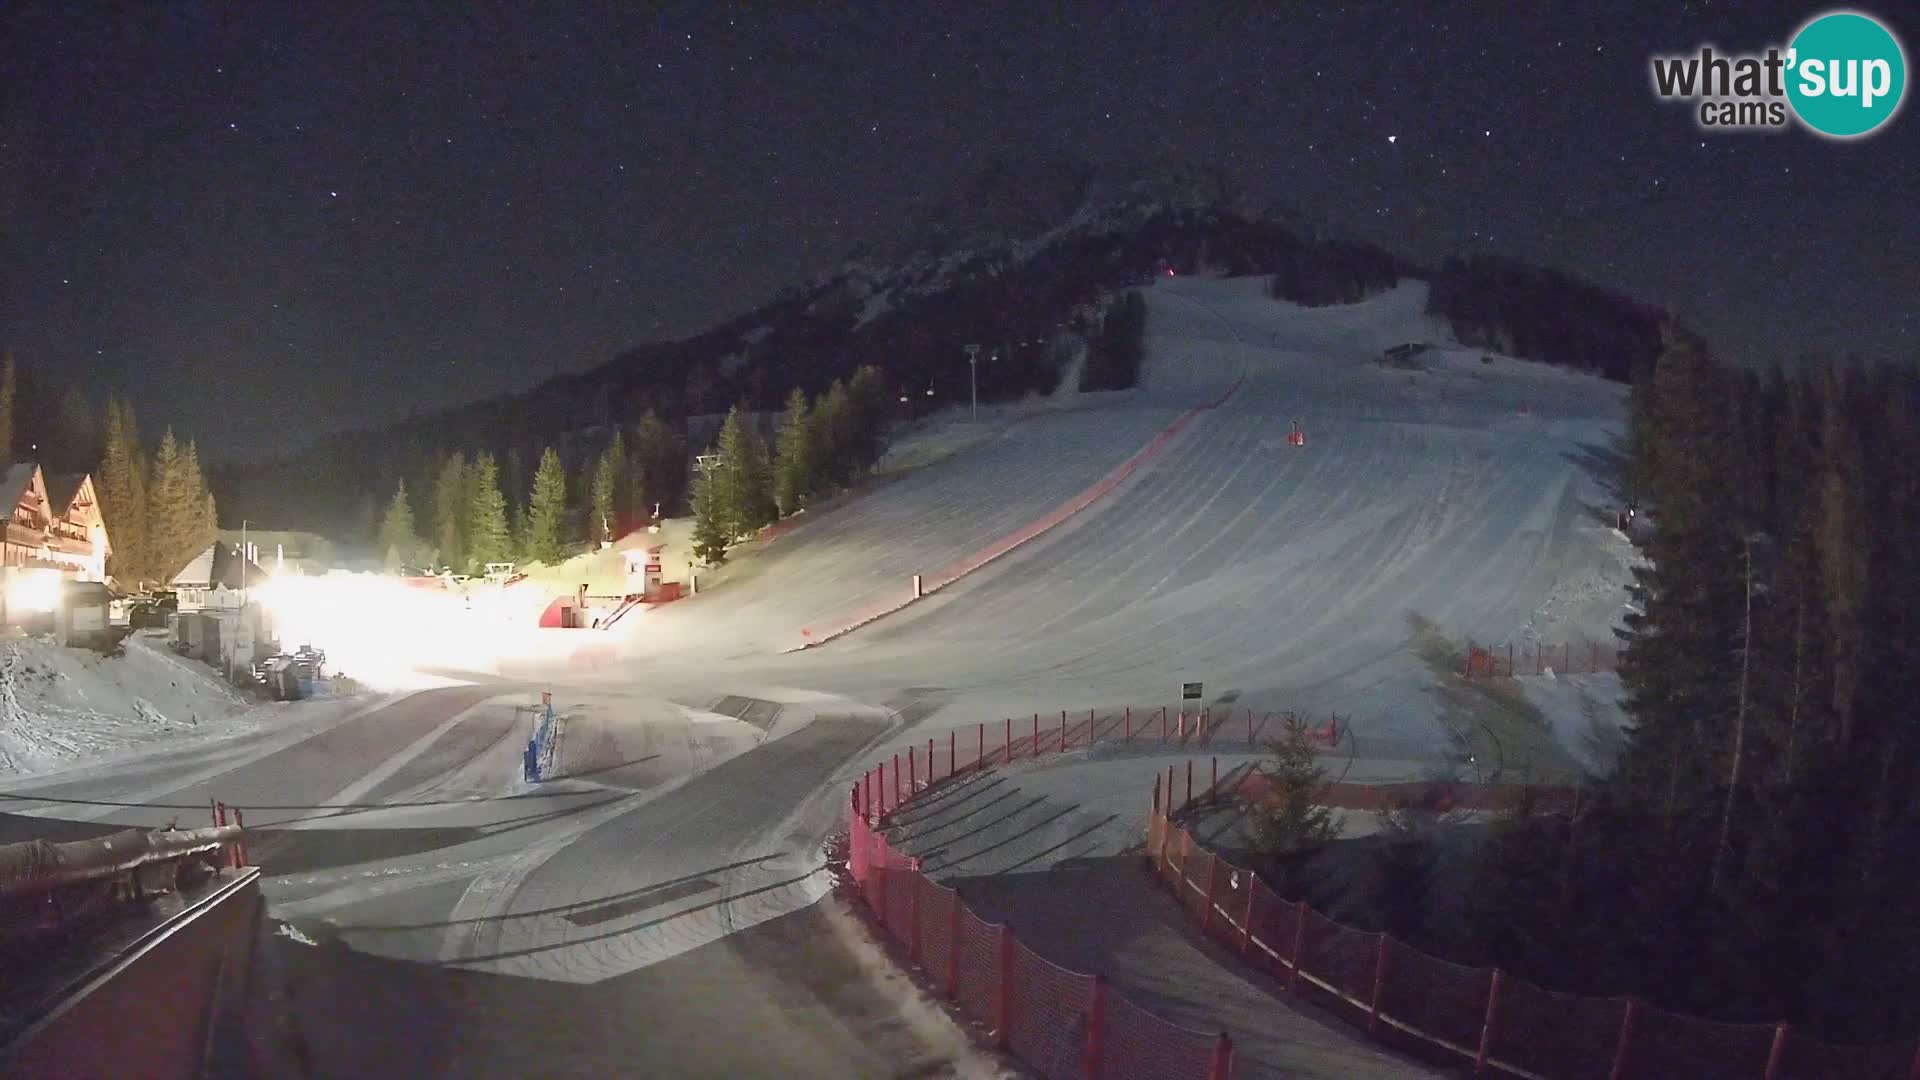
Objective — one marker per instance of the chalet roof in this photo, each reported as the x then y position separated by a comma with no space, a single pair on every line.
13,483
61,488
219,564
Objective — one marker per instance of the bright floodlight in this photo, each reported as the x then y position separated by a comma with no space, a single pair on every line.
33,590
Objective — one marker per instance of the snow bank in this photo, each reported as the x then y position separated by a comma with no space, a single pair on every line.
59,706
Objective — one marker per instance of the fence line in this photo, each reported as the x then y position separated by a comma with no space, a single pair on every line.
1487,661
1060,1022
1480,1017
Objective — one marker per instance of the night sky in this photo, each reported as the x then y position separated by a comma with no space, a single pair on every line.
266,220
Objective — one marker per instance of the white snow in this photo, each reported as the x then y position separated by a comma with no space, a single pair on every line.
1458,497
62,706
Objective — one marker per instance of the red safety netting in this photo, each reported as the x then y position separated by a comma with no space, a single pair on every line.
1195,862
1231,888
1341,957
1276,924
1137,1045
1670,1044
1051,1013
1558,1035
1808,1057
1446,1002
936,929
979,966
899,887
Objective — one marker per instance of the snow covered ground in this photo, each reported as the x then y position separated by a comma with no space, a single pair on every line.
1467,499
60,707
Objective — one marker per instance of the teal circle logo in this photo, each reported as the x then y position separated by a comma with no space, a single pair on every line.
1846,74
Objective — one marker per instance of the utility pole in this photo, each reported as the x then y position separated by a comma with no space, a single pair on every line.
1722,852
973,377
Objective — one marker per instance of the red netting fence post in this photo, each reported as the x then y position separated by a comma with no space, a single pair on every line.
1380,962
953,753
1188,801
1213,785
913,772
1299,943
1093,727
896,781
929,762
1222,1067
1126,720
1009,747
955,931
914,953
1778,1050
1625,1046
1487,1027
1246,936
1063,731
1003,994
1466,668
980,754
1206,914
1096,1022
1034,750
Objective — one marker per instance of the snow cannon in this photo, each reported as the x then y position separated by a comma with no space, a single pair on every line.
1296,437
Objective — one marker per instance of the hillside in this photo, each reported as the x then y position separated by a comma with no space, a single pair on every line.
1024,264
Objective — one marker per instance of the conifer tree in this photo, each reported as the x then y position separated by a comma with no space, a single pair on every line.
1678,663
794,467
452,506
123,493
609,491
397,533
743,483
203,519
710,532
547,511
487,537
169,516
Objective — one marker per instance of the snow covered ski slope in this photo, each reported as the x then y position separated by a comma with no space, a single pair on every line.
1464,499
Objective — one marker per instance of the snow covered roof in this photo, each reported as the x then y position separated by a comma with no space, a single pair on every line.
219,564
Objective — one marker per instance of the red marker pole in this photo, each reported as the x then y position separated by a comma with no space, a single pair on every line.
980,755
1009,746
1127,719
1036,736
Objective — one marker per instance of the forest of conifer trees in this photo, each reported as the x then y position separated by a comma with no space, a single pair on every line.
1756,851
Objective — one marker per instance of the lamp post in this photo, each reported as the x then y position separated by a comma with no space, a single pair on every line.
973,378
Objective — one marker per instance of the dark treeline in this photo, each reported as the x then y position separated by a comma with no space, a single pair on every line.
1755,853
1324,273
1030,310
1118,350
1537,314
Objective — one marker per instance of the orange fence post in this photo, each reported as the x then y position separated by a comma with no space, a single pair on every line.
240,848
1189,799
913,773
929,762
913,920
1213,785
1003,997
1035,751
1009,746
1096,1019
953,948
1510,671
896,781
1246,928
1379,982
1486,1026
1222,1067
1625,1047
1063,731
1778,1050
980,754
1299,942
1127,720
1213,881
953,753
1163,723
213,811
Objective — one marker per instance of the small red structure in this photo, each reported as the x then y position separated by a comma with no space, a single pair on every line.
1296,437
